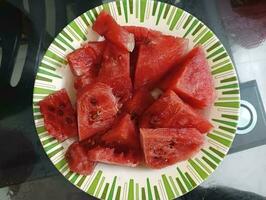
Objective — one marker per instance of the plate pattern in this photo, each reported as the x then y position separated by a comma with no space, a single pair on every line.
113,182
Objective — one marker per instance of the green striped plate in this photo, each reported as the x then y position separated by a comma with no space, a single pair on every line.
113,182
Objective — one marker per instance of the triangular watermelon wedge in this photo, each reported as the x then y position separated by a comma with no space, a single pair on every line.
192,80
106,26
156,57
169,111
165,146
115,72
120,145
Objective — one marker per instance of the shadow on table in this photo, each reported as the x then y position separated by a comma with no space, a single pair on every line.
220,193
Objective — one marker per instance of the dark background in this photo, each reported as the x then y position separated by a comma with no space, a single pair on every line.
28,27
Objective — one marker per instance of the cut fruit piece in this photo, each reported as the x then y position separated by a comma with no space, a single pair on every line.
142,36
165,146
115,72
78,160
106,26
156,58
123,134
97,108
140,101
192,80
86,59
169,111
110,156
59,116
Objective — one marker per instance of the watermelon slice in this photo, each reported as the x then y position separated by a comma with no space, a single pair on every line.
192,80
169,111
142,36
86,59
120,145
156,57
140,101
123,133
97,108
106,26
165,146
59,116
115,72
78,160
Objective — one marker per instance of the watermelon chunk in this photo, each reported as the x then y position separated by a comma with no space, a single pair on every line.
142,36
123,134
120,145
86,59
192,80
59,116
106,26
169,111
97,108
156,58
115,71
165,146
78,160
140,101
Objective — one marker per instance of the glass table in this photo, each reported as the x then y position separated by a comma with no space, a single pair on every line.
28,28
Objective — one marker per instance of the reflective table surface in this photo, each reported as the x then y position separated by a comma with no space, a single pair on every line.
29,26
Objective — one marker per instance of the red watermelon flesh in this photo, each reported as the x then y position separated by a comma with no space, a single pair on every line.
59,115
123,134
140,101
165,146
97,108
192,80
86,59
78,160
106,26
169,111
156,58
115,72
142,36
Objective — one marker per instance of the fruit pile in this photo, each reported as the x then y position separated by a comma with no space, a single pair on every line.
137,102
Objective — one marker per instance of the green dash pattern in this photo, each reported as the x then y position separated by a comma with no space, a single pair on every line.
135,184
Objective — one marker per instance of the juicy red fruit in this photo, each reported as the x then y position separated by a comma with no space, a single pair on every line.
86,59
192,80
123,134
164,146
140,101
97,108
142,36
156,57
169,111
78,160
115,71
106,26
59,116
120,145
